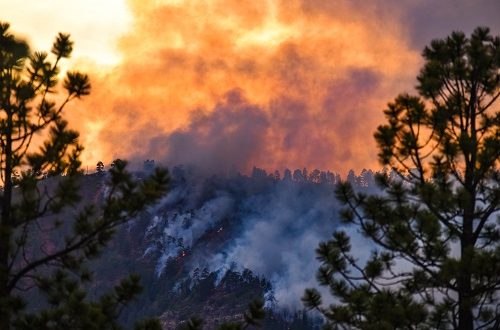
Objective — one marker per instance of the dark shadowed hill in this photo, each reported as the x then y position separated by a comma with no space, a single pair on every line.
215,243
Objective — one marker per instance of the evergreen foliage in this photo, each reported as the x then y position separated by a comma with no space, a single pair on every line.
46,234
99,168
435,227
252,317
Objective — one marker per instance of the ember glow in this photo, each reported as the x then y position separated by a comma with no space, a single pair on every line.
232,84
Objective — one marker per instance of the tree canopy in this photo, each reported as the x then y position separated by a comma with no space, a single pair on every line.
435,227
47,234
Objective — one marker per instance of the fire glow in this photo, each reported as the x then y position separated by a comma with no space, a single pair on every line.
319,79
311,78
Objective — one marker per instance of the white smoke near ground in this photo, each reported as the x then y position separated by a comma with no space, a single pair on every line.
180,230
263,223
279,239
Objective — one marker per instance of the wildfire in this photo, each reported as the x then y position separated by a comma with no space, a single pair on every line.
306,71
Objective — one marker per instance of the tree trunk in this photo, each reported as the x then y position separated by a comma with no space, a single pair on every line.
6,229
464,280
4,294
465,317
465,298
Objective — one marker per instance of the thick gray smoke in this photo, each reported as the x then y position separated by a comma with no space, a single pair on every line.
238,134
226,139
264,223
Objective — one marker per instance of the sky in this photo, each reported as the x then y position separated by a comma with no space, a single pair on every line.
233,84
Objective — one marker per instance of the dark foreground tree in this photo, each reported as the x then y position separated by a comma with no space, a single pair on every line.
99,168
436,229
252,318
46,234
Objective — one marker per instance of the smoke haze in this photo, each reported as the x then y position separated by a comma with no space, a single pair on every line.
235,84
263,223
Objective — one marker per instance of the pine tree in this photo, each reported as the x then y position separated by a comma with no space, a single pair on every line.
46,234
252,318
435,225
99,168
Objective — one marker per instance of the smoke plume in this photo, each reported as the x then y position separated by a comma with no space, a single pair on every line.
264,223
316,77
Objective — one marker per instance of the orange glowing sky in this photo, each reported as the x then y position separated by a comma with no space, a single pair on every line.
231,84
